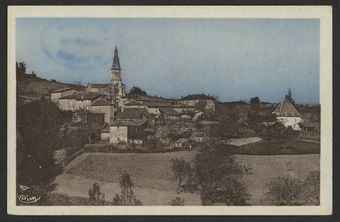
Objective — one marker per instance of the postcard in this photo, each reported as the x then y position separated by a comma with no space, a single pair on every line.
180,110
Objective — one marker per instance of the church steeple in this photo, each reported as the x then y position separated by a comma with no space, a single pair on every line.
116,81
115,62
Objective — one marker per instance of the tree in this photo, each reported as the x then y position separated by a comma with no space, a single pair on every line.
89,127
38,125
311,188
95,195
255,100
20,68
283,191
137,91
219,177
127,196
182,170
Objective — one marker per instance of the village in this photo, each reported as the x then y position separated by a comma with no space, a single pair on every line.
103,132
141,121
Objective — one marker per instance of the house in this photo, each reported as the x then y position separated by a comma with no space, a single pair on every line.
154,107
134,104
169,113
182,142
286,113
129,126
103,106
199,101
100,88
58,93
80,100
183,108
132,114
105,133
127,131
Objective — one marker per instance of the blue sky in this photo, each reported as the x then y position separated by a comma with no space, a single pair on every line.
229,58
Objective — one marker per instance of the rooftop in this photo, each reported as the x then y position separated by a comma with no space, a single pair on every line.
128,122
168,111
132,113
101,102
99,85
286,109
83,96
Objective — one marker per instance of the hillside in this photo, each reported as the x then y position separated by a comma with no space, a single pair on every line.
33,86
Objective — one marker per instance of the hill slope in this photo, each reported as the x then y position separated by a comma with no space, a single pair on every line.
33,86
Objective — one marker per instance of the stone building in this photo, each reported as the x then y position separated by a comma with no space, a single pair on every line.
76,101
115,89
287,114
58,93
103,106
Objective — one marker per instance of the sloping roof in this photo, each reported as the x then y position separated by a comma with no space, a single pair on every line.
62,90
158,104
286,109
126,122
134,103
132,113
83,96
101,102
99,85
168,111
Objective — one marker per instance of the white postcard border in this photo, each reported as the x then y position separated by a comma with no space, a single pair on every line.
324,13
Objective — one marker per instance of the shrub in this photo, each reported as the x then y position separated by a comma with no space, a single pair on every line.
127,196
283,191
177,202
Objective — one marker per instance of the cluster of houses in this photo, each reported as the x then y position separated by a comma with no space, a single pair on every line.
131,118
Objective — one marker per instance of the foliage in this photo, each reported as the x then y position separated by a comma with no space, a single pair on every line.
95,195
255,100
127,196
20,68
219,177
137,91
38,125
283,191
182,171
177,202
311,188
199,97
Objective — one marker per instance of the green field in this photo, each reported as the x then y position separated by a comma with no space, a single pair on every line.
153,178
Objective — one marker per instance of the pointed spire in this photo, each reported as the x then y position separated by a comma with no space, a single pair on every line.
115,63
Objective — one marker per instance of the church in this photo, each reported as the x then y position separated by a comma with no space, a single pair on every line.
110,94
115,90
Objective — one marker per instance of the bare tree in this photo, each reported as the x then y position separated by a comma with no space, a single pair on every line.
89,127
